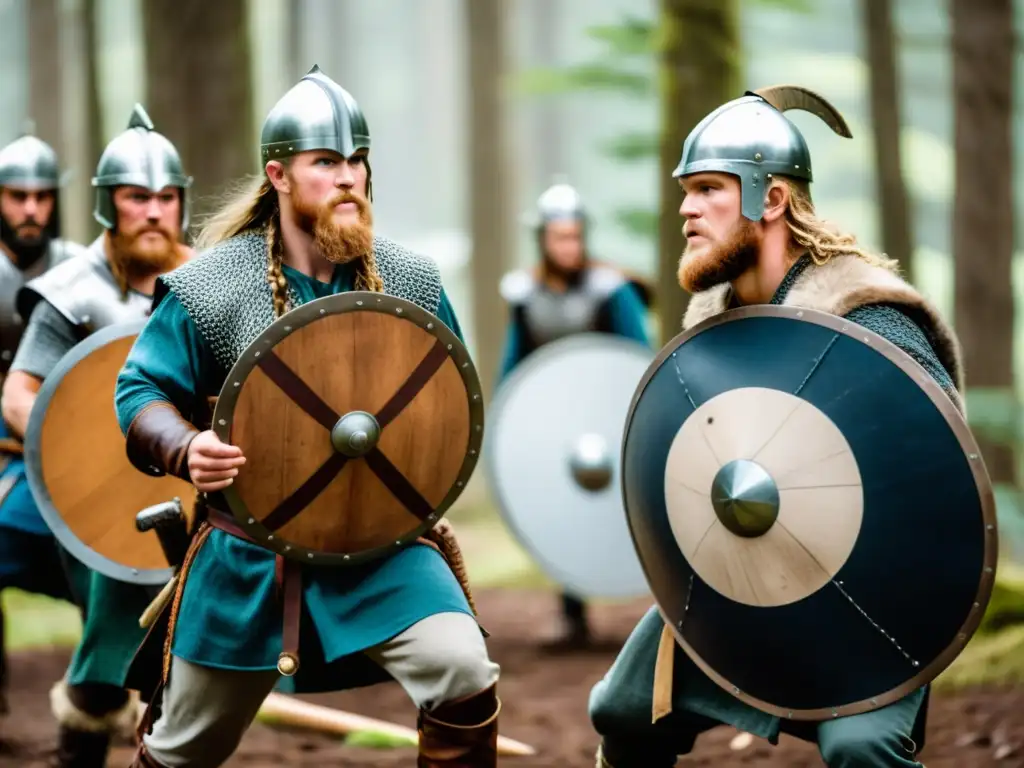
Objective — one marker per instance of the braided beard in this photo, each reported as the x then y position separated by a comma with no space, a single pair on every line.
338,243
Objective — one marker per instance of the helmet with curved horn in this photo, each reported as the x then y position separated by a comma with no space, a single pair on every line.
751,138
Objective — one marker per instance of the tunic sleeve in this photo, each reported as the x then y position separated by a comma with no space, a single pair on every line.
169,362
627,314
446,314
513,352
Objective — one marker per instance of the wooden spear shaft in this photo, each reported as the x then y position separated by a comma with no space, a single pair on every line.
286,710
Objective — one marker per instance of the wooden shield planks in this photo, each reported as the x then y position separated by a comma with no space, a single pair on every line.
80,475
404,368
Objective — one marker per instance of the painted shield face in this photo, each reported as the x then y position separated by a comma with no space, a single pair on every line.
801,484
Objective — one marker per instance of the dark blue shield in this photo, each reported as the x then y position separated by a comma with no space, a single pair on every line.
810,510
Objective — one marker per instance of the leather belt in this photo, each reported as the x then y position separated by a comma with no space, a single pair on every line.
288,577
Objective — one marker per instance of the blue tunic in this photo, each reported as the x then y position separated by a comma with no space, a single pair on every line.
18,509
625,315
230,615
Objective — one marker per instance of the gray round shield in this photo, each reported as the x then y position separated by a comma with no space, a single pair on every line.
552,456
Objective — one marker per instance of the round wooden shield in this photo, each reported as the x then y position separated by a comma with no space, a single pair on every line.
87,490
811,511
360,416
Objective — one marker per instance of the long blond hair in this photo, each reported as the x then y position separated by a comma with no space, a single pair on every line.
254,207
822,239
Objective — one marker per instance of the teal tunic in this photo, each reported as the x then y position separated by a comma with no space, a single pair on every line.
230,616
621,703
622,314
110,625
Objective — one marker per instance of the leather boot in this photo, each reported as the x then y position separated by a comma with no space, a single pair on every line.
87,717
461,733
81,749
575,627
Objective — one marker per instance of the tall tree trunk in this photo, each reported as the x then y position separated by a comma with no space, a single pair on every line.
893,207
700,71
294,10
549,138
199,88
64,101
983,222
490,195
44,57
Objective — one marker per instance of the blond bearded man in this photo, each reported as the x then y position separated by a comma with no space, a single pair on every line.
753,237
140,202
302,231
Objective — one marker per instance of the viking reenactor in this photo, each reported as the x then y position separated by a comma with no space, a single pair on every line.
140,201
797,473
568,293
30,244
296,247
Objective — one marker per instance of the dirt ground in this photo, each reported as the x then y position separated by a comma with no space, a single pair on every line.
545,699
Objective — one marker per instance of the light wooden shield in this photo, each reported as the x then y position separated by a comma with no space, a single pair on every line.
375,355
78,469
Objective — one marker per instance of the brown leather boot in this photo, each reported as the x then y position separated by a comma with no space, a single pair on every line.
81,749
461,733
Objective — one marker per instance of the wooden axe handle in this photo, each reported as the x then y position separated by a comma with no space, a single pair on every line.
303,714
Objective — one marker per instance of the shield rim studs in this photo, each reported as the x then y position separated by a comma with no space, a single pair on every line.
300,317
926,672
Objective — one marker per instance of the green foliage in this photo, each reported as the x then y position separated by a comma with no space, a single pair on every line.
642,222
632,146
995,414
36,621
996,659
1006,605
995,655
378,740
614,71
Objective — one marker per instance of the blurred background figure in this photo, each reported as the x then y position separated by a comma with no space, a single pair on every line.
566,293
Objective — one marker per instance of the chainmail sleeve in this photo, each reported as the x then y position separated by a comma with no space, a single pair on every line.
897,327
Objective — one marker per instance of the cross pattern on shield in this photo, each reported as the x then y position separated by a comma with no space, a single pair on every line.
361,419
87,490
811,510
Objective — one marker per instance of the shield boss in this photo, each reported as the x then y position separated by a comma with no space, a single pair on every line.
811,511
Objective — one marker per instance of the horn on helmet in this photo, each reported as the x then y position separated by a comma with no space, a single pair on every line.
785,97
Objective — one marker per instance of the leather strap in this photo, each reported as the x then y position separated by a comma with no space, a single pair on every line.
663,675
289,382
288,576
11,446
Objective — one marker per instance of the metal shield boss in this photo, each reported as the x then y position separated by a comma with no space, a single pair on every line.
553,461
87,490
360,417
812,513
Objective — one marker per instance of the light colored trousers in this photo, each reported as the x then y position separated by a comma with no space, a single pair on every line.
205,711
